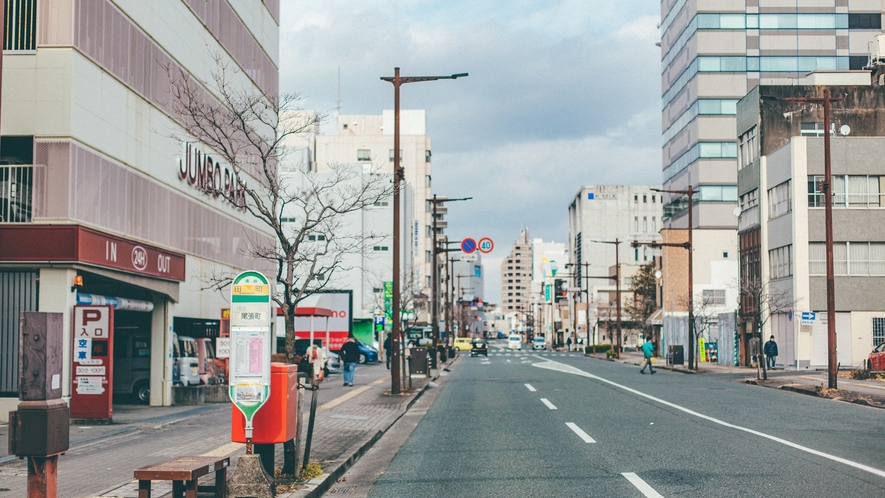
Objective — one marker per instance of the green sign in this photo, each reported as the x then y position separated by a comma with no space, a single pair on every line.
250,344
547,293
388,300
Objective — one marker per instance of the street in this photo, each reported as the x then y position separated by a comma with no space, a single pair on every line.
539,423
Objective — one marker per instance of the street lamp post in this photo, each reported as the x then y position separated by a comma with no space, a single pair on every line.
398,179
435,277
689,192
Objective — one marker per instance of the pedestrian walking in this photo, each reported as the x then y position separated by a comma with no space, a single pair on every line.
350,355
648,349
317,358
770,350
387,350
568,343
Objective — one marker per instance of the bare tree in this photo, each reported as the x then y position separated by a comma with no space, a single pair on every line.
644,302
768,301
304,212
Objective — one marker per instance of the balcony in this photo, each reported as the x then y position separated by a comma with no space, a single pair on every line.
15,193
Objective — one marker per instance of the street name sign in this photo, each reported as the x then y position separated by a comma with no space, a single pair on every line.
468,257
250,345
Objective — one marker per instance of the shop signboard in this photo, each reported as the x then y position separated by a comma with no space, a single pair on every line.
250,344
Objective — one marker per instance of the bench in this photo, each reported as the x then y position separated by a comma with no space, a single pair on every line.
184,472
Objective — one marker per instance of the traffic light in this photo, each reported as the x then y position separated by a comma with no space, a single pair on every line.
559,289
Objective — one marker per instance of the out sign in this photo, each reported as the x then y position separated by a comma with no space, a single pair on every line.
486,245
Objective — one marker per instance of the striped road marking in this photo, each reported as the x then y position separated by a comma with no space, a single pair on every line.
581,434
641,485
530,388
548,403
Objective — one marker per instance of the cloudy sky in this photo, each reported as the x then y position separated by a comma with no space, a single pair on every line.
561,93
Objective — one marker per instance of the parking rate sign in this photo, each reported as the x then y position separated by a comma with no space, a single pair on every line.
250,344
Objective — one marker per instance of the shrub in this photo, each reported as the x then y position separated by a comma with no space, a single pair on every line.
598,348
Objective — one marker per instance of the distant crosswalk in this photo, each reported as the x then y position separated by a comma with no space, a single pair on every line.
517,354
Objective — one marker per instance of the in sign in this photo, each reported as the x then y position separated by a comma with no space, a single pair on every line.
468,245
486,245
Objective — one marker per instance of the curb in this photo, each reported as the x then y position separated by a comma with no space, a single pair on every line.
324,482
811,391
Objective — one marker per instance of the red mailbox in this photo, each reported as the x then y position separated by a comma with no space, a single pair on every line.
276,421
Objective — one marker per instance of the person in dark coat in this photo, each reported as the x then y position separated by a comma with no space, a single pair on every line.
350,355
770,350
387,349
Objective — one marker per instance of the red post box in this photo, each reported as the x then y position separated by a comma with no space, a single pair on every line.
276,421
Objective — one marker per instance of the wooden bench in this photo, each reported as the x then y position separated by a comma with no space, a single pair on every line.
184,472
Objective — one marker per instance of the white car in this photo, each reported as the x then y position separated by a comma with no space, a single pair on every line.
514,342
538,343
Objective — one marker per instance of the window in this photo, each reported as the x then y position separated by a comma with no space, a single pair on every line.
427,181
878,331
635,198
713,296
815,129
381,204
427,155
780,262
849,258
363,155
747,148
377,290
856,191
636,224
865,21
428,206
780,200
654,224
644,199
379,248
645,224
636,254
428,257
21,25
390,154
316,238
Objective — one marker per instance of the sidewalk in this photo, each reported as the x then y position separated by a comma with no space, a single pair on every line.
870,392
348,422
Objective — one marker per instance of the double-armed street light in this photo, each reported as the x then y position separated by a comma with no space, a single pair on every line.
435,276
398,179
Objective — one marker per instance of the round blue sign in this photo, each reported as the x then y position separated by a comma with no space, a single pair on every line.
468,245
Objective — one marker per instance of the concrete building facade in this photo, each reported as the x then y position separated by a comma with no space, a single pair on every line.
782,220
516,280
98,203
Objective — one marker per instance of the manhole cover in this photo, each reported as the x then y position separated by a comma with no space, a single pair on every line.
345,489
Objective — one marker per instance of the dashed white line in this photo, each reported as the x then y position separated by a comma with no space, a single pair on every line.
548,403
641,485
530,388
581,434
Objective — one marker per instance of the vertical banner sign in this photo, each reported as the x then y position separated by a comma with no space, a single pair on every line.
250,345
388,299
93,363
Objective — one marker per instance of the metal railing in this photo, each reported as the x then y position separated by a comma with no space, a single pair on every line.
15,194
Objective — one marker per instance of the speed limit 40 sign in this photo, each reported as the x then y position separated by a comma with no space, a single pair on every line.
485,245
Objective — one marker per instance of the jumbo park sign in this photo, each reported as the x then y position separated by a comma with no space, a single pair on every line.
201,171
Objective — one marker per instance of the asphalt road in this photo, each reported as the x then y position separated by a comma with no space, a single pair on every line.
536,424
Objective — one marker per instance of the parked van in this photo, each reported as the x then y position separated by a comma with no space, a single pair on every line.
132,364
188,360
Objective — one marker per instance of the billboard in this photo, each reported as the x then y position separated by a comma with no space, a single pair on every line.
340,324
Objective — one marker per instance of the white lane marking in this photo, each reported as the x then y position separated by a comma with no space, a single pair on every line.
562,367
548,403
641,485
508,360
581,434
530,387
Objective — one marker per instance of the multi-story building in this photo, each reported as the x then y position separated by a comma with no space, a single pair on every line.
712,54
599,216
782,226
368,141
98,203
516,279
548,286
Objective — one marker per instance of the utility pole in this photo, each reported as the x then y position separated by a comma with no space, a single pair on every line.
689,192
617,277
434,290
826,190
398,180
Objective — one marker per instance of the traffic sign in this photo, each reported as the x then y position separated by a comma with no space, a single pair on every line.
486,245
468,245
468,257
808,318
